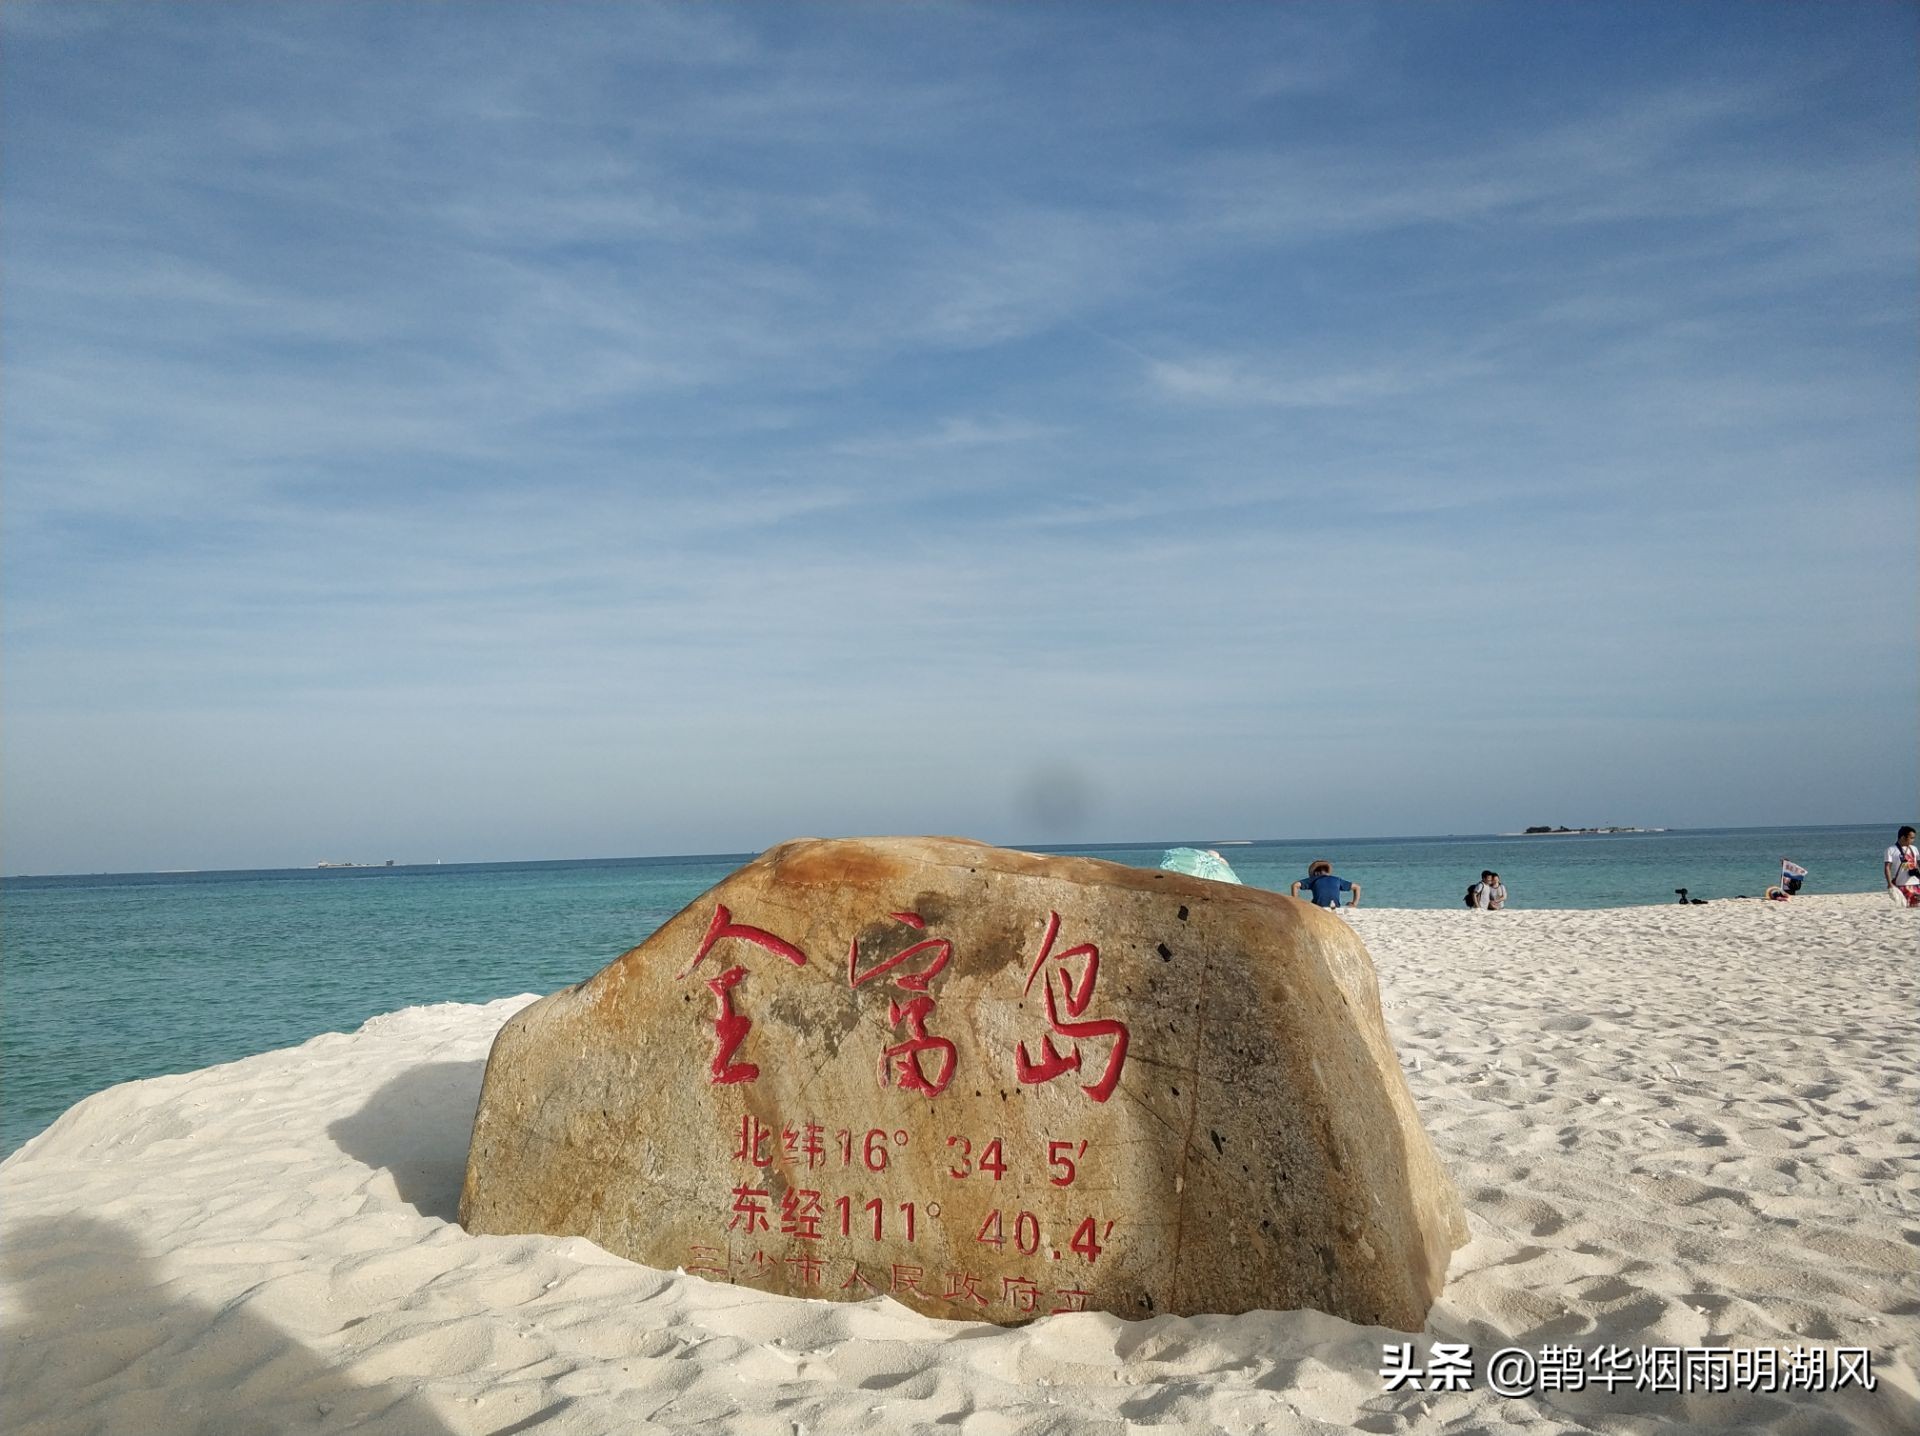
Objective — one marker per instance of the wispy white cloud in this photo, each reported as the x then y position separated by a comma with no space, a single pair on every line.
1232,381
951,432
919,394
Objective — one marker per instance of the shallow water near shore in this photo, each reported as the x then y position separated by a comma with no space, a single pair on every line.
110,978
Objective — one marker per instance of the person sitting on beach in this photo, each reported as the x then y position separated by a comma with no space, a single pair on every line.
1902,868
1325,888
1489,894
1793,877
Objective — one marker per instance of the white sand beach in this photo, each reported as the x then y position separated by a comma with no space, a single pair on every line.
1673,1127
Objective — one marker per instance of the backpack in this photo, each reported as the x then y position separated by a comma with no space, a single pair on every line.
1470,893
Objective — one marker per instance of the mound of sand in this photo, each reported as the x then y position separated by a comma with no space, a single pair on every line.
1674,1127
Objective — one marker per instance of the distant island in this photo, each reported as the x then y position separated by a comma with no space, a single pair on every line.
387,864
1556,832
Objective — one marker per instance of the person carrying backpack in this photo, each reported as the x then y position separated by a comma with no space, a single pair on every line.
1902,867
1489,894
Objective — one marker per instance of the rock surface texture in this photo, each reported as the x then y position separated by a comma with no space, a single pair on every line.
990,1084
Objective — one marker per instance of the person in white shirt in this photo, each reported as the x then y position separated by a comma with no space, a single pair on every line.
1902,867
1489,894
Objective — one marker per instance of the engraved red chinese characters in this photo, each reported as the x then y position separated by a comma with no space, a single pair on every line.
915,1065
902,1060
730,1025
1074,994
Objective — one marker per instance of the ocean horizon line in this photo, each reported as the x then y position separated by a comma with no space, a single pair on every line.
372,867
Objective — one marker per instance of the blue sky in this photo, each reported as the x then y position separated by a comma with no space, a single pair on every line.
482,432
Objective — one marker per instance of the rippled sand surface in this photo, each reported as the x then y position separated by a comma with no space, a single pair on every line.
1674,1127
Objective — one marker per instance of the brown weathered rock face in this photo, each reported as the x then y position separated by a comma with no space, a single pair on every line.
988,1083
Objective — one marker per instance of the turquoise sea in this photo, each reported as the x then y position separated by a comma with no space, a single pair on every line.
104,979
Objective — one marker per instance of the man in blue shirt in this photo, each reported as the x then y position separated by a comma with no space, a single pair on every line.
1325,888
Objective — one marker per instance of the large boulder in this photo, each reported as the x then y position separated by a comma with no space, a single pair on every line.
990,1084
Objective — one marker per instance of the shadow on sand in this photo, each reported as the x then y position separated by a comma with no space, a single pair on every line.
97,1339
417,1126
